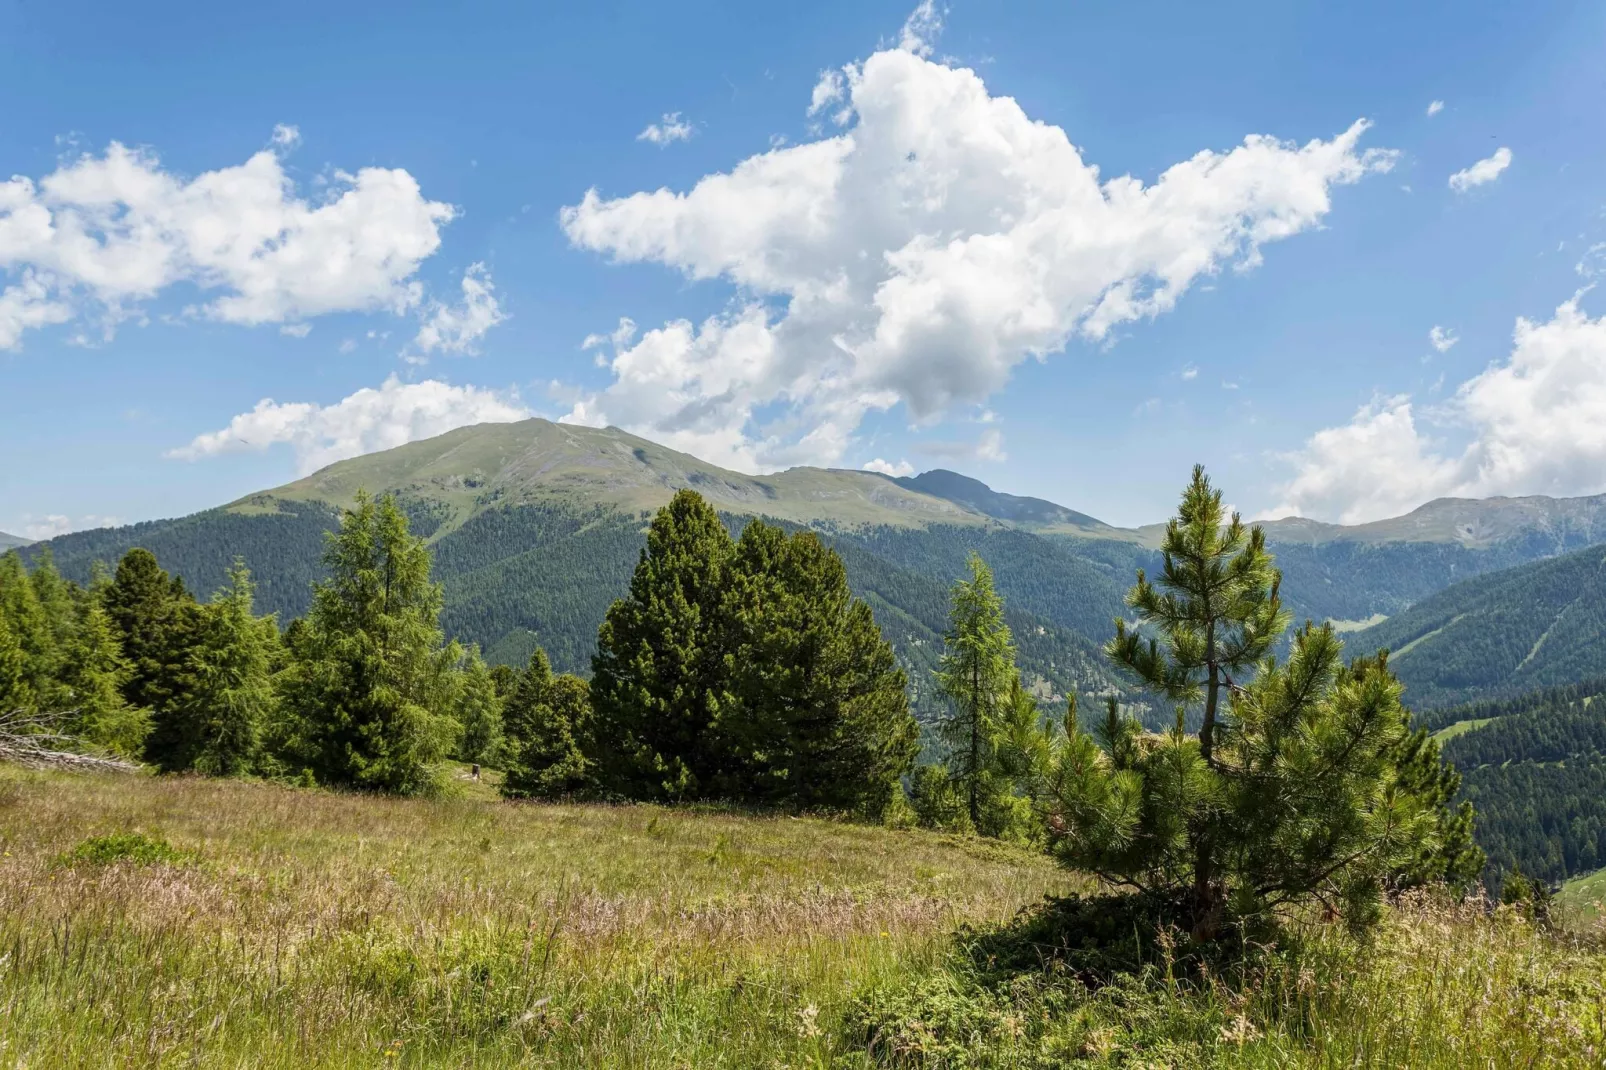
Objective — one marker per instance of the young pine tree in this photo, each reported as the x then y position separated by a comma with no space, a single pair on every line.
976,672
819,715
659,677
370,688
1290,791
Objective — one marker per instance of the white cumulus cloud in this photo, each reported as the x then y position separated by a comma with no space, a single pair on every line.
1482,172
667,131
458,328
1533,424
1442,339
370,419
916,257
53,524
1435,107
888,468
102,234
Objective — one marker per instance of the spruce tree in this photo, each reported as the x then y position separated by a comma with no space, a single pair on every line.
977,669
370,690
157,625
659,676
33,631
233,699
479,711
16,696
818,713
552,760
93,676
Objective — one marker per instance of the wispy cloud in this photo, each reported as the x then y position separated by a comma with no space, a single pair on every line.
670,129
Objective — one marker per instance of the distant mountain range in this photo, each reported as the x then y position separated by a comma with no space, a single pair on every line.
536,526
9,541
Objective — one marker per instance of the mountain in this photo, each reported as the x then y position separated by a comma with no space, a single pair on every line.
1537,624
7,542
535,528
1535,769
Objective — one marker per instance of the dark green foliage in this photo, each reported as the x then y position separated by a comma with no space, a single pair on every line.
92,678
819,716
15,694
232,701
936,801
158,625
551,760
1537,775
369,691
1539,624
1531,897
1450,856
283,542
659,677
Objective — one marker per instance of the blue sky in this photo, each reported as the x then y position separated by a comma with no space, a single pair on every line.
377,216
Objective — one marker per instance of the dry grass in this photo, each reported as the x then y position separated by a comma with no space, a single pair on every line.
325,930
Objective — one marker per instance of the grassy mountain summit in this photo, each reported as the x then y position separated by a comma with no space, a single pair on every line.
537,462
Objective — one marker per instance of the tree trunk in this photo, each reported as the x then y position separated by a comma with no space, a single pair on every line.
1206,904
975,745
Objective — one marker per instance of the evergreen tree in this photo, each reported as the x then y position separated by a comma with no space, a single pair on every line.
1218,613
34,634
818,713
551,760
370,690
521,713
658,676
157,625
479,711
976,672
93,676
1290,794
1450,857
15,694
233,698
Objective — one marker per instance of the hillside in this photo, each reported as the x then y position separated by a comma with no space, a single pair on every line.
535,527
1535,768
9,541
279,928
1537,624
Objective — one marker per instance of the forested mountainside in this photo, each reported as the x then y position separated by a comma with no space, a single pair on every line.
535,528
1535,768
1533,625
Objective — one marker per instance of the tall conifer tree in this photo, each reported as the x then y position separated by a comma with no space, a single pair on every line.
233,699
370,690
977,669
658,676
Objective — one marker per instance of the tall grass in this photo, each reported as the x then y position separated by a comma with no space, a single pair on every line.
313,929
256,926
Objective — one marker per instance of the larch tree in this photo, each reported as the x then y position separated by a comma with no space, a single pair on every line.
370,689
976,673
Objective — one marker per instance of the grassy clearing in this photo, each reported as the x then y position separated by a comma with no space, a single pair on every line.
303,929
1582,901
1461,728
256,926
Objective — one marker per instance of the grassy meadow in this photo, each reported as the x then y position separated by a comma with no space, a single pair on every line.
262,926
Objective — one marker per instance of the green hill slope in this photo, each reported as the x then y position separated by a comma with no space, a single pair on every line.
1535,768
9,541
1538,624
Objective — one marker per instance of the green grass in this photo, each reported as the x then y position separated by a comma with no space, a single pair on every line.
298,928
1461,728
1582,900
